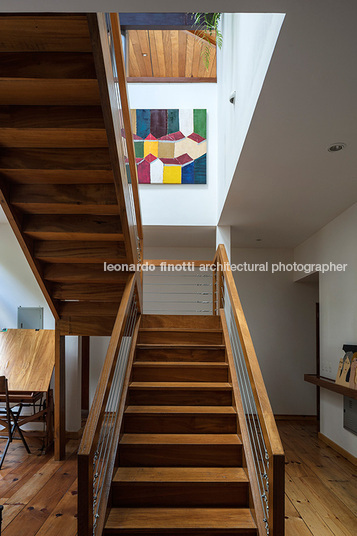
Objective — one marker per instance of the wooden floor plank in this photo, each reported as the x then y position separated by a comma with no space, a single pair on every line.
63,520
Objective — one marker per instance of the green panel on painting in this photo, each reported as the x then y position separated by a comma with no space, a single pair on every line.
173,121
199,123
139,149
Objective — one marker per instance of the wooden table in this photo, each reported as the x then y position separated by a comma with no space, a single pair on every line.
27,359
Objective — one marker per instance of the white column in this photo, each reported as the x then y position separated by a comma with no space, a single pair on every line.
223,236
73,384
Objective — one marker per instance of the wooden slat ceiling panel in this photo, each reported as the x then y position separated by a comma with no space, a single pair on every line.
169,54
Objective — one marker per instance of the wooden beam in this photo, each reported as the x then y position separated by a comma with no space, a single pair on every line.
52,138
47,65
79,252
107,292
79,273
101,326
156,21
60,395
85,309
73,227
85,354
38,158
43,32
52,92
58,176
48,117
65,199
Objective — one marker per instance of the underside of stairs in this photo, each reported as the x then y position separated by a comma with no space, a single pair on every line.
60,181
180,460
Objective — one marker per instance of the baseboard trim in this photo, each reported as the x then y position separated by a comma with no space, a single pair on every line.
338,449
309,418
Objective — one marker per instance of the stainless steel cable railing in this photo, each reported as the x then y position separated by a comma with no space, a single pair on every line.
111,416
178,292
96,454
263,449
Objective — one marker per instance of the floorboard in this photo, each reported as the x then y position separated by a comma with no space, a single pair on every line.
40,495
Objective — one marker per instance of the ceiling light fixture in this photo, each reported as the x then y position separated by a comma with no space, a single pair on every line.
144,54
336,147
258,239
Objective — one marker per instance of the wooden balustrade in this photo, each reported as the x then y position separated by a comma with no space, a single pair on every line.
109,56
87,454
226,290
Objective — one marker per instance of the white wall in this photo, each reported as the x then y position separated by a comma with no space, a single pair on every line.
336,242
18,286
181,204
281,317
248,43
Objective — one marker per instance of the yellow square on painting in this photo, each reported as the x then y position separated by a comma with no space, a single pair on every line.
151,147
172,174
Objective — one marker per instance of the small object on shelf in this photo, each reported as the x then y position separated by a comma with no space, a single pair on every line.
343,373
353,373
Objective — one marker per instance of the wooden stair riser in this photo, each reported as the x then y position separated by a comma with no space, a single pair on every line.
210,455
179,532
170,397
180,494
181,424
187,373
179,337
181,321
180,354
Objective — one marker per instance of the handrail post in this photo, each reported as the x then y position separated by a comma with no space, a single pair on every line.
277,494
85,495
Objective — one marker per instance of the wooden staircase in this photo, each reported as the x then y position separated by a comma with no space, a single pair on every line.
61,179
180,454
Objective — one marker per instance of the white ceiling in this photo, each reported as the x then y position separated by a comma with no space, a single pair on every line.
287,185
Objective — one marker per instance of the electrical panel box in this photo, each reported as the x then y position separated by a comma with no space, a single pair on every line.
30,317
350,414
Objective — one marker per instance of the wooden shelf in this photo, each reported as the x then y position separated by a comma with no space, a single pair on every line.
329,384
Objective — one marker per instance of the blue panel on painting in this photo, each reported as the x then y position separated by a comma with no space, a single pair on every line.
173,121
200,170
188,174
143,123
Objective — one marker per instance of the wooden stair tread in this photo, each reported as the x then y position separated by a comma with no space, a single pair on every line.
170,364
199,410
182,518
181,385
180,439
163,346
175,330
180,474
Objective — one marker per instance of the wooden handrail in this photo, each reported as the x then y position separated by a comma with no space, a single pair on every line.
158,262
119,55
92,429
113,110
265,414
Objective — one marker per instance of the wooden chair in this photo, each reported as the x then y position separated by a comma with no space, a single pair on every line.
11,416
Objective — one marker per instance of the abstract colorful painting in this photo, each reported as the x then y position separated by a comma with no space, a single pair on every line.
170,146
